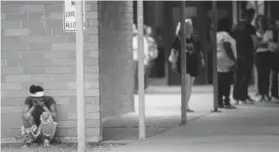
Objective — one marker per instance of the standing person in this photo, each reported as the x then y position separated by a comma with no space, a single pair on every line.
245,36
193,49
160,61
135,58
274,56
263,53
39,116
226,59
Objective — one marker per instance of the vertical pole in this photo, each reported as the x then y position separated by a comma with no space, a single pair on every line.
268,7
80,78
141,71
183,64
235,14
214,59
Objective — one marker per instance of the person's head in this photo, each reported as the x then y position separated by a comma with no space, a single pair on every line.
37,92
261,22
249,14
148,30
189,29
224,25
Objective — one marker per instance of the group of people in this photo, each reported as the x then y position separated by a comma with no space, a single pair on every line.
239,48
256,45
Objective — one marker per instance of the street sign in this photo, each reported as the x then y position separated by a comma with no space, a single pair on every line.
70,15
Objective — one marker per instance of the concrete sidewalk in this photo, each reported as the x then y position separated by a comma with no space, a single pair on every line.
252,128
162,114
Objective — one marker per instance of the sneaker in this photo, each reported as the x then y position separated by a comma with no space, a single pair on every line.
189,110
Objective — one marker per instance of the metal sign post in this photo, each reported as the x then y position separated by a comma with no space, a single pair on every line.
80,78
141,71
183,64
214,58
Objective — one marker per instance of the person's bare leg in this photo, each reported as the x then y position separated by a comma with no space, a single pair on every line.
48,128
27,129
189,85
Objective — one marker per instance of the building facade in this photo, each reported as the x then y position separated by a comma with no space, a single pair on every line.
36,50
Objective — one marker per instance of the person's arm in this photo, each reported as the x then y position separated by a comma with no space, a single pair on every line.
229,51
52,108
252,31
28,107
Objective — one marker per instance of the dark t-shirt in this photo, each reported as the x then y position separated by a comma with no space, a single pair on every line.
39,110
193,57
242,33
193,48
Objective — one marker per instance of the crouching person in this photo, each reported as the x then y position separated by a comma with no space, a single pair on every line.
39,116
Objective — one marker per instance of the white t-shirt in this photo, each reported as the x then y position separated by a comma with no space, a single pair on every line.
224,63
135,49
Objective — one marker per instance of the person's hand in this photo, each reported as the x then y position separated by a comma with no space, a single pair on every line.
203,63
34,103
233,67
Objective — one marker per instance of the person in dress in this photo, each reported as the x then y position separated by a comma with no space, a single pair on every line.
194,57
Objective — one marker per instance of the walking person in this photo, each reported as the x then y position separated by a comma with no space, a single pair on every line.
152,49
245,36
193,49
263,53
226,60
135,58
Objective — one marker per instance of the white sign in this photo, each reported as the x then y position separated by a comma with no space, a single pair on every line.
70,15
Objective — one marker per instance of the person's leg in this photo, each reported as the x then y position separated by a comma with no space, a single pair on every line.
147,69
189,84
248,78
227,89
261,75
135,76
220,89
48,128
29,129
274,87
239,82
266,72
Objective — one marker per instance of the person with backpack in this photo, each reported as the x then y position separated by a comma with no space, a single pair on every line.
135,59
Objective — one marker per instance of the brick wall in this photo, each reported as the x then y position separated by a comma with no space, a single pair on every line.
116,72
36,50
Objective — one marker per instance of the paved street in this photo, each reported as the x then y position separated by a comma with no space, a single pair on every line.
248,128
